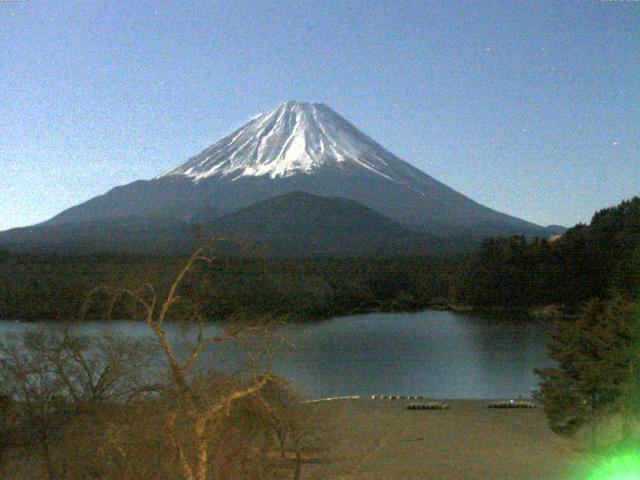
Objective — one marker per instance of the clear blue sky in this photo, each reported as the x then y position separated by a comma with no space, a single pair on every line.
532,108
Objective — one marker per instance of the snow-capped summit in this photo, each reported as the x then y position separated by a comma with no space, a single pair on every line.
295,137
299,147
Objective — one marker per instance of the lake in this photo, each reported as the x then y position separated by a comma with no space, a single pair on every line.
433,353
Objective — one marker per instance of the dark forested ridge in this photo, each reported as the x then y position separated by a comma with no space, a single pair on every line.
588,261
55,287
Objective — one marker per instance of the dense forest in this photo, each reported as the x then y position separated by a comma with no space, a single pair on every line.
586,262
53,287
517,274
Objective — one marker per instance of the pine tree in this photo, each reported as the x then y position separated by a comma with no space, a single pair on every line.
593,354
630,399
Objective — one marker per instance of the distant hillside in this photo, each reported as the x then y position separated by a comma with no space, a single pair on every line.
299,223
124,235
290,225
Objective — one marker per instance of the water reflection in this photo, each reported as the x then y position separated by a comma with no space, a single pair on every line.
433,353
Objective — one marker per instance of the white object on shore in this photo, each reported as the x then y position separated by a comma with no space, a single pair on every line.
397,397
331,399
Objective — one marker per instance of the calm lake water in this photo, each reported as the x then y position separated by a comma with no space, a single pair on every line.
432,353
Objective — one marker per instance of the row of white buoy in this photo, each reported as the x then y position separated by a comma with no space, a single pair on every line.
331,399
397,397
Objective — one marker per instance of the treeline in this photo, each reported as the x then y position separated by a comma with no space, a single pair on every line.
321,288
55,287
514,274
50,287
588,261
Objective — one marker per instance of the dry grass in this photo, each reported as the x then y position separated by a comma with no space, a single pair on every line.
377,440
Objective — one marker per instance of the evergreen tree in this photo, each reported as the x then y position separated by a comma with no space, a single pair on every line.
593,352
630,400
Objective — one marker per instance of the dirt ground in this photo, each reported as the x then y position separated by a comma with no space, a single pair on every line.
378,439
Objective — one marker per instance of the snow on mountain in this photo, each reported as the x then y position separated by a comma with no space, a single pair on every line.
299,147
296,137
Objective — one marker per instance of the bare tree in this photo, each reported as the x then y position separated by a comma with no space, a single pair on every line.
192,412
286,416
37,390
55,375
97,408
8,424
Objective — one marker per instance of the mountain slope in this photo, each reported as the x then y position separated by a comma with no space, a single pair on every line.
132,235
296,224
301,224
301,147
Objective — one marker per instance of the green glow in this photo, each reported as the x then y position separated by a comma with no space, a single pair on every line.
623,466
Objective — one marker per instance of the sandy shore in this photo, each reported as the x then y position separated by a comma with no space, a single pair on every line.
377,439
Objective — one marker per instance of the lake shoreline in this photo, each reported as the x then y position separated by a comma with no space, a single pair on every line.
405,401
434,353
540,312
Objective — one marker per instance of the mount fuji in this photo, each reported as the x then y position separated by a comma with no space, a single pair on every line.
297,147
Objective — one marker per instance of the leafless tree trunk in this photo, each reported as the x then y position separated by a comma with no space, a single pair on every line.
298,470
197,411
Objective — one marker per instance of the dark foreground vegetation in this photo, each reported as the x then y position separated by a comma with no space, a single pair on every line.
597,372
74,406
79,407
593,391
